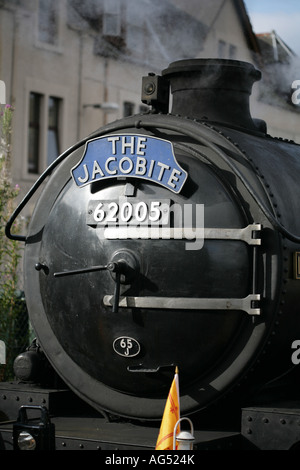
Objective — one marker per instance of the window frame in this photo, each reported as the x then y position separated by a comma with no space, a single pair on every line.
59,92
34,127
53,128
60,11
112,10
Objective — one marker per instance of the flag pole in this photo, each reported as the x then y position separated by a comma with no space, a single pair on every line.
170,416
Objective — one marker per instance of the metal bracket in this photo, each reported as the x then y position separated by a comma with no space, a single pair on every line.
247,304
246,234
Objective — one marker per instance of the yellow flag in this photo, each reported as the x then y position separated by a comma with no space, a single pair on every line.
170,417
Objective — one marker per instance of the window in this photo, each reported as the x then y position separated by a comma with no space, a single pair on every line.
143,108
2,92
232,51
43,131
226,50
48,22
53,129
34,132
128,108
221,49
112,18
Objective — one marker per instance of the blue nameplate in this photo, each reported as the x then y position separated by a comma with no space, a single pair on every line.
128,155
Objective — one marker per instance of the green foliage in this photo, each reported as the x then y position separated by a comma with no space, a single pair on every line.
10,302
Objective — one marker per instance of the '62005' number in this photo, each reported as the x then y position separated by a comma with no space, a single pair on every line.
125,212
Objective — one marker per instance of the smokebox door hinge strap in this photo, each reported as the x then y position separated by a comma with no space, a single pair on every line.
247,304
247,234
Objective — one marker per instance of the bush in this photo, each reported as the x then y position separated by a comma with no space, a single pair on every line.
11,305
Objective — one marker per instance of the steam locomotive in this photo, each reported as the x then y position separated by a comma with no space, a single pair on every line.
166,240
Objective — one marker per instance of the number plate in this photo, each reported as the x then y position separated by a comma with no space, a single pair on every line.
126,346
129,212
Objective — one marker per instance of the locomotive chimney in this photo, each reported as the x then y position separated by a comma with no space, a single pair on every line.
217,90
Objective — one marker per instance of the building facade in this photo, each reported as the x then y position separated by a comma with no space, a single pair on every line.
71,66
